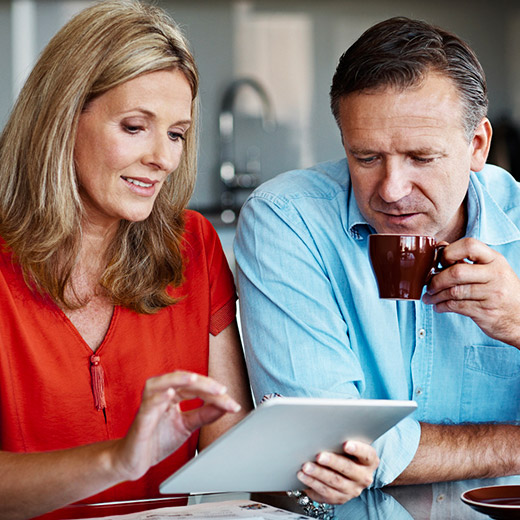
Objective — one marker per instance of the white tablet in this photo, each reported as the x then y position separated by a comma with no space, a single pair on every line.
265,450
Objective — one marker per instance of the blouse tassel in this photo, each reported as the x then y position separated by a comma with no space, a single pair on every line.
98,382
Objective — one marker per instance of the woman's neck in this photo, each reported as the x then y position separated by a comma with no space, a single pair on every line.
91,262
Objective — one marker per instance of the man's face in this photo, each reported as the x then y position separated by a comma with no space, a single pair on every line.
409,158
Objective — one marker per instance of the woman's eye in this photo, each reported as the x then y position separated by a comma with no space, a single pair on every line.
132,129
176,136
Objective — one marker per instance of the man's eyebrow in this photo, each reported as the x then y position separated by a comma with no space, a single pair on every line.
361,151
425,150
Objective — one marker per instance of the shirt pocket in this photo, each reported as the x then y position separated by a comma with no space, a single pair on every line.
490,384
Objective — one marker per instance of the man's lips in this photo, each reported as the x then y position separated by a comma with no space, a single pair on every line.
401,215
396,214
398,219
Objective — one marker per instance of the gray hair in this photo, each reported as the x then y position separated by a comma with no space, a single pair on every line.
399,53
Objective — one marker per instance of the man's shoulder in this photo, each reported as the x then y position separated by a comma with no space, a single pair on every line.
324,180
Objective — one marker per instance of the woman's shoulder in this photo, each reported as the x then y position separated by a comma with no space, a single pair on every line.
197,225
203,253
193,219
199,234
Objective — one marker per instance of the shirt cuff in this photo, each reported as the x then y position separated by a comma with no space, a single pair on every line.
396,449
223,317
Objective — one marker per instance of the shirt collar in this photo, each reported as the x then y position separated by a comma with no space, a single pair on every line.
358,227
487,220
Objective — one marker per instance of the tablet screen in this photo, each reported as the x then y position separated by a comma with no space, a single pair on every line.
265,450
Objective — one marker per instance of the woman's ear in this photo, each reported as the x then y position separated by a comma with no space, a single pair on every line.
480,145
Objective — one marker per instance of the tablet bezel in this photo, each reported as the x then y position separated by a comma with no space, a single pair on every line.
264,451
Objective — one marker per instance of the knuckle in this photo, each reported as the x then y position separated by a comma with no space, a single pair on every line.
337,481
368,480
148,386
456,292
357,491
321,488
501,293
451,305
457,271
335,498
472,245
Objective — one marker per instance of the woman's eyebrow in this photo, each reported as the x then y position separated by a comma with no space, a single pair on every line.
153,115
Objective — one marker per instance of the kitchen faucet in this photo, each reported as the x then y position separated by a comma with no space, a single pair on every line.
233,178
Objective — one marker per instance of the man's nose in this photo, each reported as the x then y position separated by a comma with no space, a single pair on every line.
395,182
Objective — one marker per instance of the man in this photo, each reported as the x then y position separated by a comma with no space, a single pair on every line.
411,103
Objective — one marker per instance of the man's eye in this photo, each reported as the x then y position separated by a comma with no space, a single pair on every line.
367,160
423,160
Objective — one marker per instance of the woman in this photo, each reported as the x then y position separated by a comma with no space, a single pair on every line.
116,303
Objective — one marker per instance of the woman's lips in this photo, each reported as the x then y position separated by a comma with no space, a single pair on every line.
141,185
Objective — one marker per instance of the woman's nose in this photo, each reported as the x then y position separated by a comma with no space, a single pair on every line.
162,155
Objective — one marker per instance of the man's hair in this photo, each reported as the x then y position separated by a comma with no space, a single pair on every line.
41,210
399,53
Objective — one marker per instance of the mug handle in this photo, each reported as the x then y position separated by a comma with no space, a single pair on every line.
438,264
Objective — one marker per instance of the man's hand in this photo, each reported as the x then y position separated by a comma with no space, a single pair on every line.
335,479
481,284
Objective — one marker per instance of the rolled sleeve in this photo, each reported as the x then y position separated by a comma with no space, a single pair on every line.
396,449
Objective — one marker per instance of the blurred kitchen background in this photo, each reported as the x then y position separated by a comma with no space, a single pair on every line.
265,70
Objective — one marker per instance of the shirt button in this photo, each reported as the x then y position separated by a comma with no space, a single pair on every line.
440,498
422,333
418,391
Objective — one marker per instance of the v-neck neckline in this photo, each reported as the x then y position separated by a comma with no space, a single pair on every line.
75,331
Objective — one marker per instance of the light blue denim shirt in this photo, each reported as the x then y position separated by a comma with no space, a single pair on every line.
313,324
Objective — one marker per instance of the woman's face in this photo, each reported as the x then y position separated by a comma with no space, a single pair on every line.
129,140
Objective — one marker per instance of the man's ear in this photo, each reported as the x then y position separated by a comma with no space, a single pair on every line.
480,145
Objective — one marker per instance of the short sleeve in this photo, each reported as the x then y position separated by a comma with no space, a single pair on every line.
222,290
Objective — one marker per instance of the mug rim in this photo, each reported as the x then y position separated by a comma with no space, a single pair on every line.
399,235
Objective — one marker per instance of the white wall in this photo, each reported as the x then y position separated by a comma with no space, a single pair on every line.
292,47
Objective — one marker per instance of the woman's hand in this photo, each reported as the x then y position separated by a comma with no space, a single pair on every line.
160,426
336,478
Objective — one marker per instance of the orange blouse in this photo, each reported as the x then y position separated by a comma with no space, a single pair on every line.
46,390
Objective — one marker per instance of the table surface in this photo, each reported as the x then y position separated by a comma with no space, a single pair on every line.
440,501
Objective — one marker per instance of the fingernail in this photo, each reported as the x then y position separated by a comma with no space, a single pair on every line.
323,458
308,467
302,476
350,447
236,407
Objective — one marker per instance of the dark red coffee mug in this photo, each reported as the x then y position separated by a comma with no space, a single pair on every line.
403,264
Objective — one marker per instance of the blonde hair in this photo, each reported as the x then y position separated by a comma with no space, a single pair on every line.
103,46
